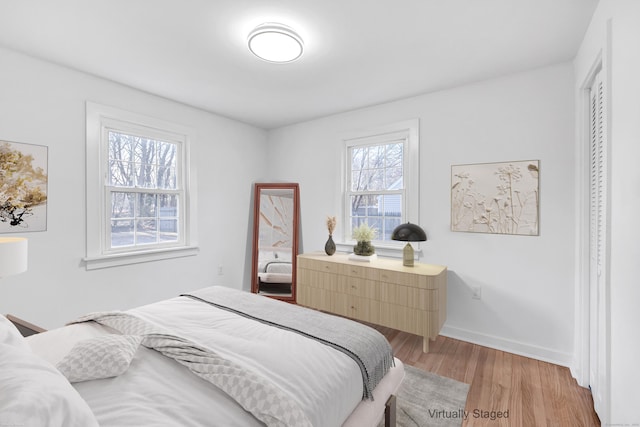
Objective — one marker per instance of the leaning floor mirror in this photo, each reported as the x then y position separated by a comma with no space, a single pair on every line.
275,240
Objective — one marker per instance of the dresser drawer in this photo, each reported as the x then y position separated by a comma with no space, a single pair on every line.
318,265
355,307
389,276
425,323
358,271
405,296
313,297
411,280
317,279
358,287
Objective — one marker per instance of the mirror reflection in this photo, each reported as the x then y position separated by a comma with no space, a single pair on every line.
275,240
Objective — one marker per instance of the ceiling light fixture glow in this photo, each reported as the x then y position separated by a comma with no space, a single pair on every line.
275,43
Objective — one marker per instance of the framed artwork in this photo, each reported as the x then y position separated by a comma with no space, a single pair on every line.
23,187
499,198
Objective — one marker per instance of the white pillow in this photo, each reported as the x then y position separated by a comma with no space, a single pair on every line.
105,356
34,393
10,335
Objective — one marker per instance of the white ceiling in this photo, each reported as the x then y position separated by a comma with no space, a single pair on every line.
358,52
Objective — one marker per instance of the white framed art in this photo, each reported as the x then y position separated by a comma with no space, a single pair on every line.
499,198
23,187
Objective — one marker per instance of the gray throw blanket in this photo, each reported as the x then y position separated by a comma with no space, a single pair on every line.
366,346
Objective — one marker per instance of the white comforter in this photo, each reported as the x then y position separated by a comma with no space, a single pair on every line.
157,391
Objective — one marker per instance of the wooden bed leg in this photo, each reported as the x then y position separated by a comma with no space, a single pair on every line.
390,412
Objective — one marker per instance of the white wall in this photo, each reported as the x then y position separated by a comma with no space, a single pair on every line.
614,33
42,103
527,282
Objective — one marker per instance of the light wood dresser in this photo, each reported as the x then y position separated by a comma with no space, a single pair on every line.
382,292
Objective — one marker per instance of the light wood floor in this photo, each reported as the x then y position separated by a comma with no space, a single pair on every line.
535,393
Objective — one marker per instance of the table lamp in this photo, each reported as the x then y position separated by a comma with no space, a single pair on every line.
13,255
408,233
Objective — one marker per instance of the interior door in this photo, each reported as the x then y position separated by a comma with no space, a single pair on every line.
598,283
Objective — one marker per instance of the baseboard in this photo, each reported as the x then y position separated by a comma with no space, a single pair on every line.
510,346
579,374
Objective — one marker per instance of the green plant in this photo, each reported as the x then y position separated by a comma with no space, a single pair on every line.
364,233
364,248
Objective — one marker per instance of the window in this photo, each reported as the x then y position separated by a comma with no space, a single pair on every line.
144,191
381,179
376,186
139,189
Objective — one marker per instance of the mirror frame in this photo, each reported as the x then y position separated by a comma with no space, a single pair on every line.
258,187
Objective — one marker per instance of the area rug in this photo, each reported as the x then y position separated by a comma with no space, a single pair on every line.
426,399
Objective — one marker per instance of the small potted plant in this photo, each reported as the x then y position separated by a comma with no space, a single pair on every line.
363,234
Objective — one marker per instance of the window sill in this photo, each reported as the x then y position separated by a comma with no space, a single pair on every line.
126,258
388,250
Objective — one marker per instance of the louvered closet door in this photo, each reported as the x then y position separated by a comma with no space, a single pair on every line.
598,248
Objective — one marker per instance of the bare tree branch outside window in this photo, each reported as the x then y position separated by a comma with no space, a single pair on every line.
145,197
377,186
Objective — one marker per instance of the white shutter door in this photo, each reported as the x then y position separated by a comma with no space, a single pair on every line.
598,239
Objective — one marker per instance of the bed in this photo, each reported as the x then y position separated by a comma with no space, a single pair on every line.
203,358
274,274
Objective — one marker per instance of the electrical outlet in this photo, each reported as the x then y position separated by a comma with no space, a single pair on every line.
477,292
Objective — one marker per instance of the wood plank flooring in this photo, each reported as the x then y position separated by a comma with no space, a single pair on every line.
534,393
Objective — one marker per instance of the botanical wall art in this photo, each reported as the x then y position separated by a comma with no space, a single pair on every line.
501,198
23,187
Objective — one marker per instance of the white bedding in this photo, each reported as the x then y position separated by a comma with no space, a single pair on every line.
33,393
274,266
155,390
274,278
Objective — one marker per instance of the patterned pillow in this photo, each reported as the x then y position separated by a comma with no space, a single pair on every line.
100,357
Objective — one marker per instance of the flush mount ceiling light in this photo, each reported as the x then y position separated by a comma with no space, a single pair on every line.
275,43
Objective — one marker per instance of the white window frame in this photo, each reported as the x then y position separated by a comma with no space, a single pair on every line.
407,131
100,120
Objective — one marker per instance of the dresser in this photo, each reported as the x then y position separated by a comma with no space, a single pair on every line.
382,292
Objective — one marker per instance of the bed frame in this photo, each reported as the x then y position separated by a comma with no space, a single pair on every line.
24,327
390,412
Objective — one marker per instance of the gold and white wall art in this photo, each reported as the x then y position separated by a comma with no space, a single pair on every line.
23,187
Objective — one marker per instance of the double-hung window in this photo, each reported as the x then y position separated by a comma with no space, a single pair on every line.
139,195
144,192
381,179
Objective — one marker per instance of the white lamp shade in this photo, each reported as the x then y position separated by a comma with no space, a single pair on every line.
13,255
